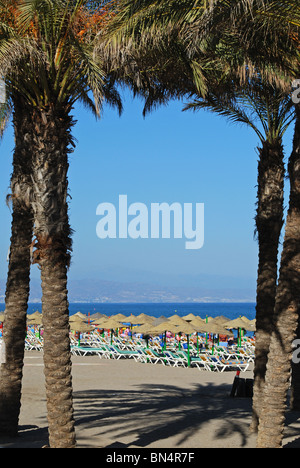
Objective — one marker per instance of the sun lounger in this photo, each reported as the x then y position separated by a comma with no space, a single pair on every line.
33,342
175,359
116,353
220,365
89,350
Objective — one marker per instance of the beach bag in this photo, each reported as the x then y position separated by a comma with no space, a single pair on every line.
242,388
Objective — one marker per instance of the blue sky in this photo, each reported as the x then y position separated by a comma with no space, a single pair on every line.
169,156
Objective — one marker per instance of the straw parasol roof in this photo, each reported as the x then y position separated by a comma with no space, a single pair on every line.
208,319
220,319
81,315
145,329
189,317
159,320
1,316
120,317
163,327
216,328
246,319
238,323
174,318
80,326
177,320
97,316
145,317
188,328
77,318
133,320
35,320
35,314
110,323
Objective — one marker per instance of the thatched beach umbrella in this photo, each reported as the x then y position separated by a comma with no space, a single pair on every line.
253,324
145,318
216,329
239,324
81,315
132,320
76,318
97,316
120,317
220,319
176,319
35,320
189,317
80,326
188,329
145,329
35,314
159,320
111,323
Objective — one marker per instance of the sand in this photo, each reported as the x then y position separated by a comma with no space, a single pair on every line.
128,404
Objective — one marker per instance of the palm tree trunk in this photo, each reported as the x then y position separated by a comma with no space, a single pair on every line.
52,253
277,381
17,287
269,222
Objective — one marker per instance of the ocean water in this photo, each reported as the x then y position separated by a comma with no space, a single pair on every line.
230,310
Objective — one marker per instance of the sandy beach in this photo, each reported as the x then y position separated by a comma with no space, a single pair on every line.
128,404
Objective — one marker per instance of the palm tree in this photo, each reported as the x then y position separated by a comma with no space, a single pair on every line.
266,34
17,288
269,113
283,19
58,69
277,380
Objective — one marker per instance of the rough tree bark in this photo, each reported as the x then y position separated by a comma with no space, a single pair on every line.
53,245
17,287
277,381
269,222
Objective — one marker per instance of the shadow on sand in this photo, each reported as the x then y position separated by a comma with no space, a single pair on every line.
147,414
152,413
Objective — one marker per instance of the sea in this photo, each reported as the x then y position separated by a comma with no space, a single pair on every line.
229,310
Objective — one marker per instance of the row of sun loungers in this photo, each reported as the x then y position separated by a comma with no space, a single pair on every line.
221,360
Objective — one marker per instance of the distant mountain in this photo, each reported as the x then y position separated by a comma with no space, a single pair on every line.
101,291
